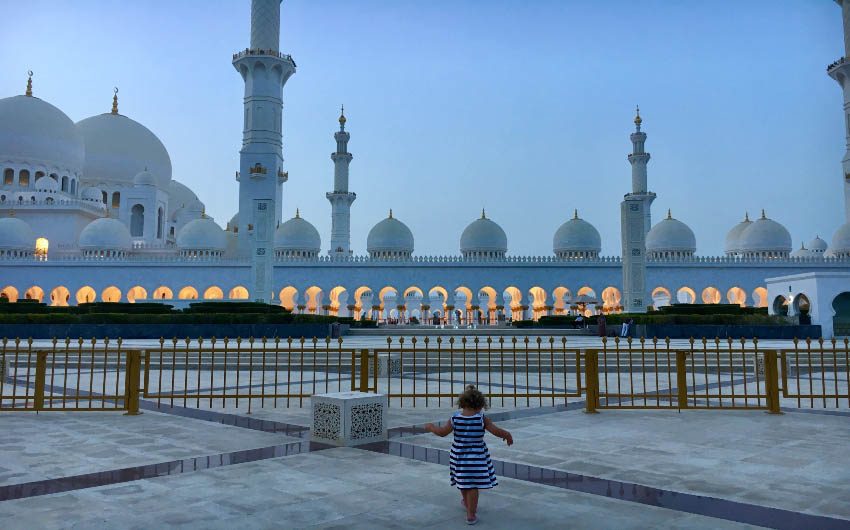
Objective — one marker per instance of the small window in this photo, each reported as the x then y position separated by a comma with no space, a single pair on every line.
8,177
116,199
24,178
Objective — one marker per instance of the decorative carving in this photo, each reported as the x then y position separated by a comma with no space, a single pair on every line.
326,421
367,420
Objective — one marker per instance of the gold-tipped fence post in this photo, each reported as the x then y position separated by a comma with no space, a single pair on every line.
364,370
40,375
681,379
133,375
771,380
591,378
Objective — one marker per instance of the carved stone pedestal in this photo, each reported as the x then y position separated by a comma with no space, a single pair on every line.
349,418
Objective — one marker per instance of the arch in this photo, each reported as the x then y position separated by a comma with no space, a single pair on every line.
362,308
8,177
466,292
23,178
85,295
414,289
334,298
213,292
538,302
587,292
710,295
42,245
64,184
111,294
801,304
163,293
736,295
841,318
34,293
611,298
188,293
160,222
661,297
104,196
137,220
136,293
513,293
686,295
287,297
760,297
562,298
116,199
385,290
73,186
60,296
313,298
780,305
9,293
238,293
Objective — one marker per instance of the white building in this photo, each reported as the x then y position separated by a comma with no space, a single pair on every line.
90,211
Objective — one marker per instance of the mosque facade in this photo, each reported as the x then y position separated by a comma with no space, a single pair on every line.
90,211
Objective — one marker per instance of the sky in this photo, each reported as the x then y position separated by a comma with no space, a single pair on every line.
522,108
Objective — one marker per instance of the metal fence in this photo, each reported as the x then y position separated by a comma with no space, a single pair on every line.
431,372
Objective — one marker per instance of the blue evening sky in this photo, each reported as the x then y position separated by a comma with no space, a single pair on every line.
524,108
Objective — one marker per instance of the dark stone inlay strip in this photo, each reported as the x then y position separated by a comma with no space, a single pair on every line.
628,491
173,467
224,418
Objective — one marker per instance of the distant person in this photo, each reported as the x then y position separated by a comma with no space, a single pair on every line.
601,328
580,321
624,329
470,467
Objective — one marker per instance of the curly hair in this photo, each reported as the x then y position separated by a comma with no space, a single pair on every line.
472,398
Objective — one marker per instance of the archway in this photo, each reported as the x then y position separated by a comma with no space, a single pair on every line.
686,295
136,293
313,299
841,319
562,299
163,293
9,293
188,293
60,296
611,298
489,311
463,304
338,296
363,302
111,294
85,295
710,295
736,295
513,294
238,293
213,292
760,296
34,293
661,297
538,302
137,220
287,297
801,304
780,305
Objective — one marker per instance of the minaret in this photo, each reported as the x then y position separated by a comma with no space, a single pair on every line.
340,198
264,70
638,159
840,71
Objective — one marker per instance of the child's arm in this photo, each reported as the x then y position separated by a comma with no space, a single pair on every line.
497,431
443,430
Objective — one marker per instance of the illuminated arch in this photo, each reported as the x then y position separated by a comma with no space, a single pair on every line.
760,297
10,293
213,292
287,297
561,296
313,298
736,295
513,293
136,293
238,293
85,295
34,293
686,295
611,298
188,293
111,294
710,295
163,293
334,298
661,297
60,296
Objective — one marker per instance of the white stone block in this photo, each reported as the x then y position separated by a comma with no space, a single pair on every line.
349,418
389,364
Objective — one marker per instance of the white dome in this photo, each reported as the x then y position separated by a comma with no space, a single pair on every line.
802,252
118,148
201,234
91,193
46,184
179,195
144,178
390,235
32,130
733,237
765,235
483,235
297,234
16,234
105,234
841,241
817,245
671,235
576,235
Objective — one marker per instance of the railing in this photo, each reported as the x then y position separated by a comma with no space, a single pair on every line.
513,372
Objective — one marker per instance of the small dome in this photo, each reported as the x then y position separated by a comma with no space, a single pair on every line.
733,237
105,234
297,235
390,237
179,195
671,236
201,234
118,148
16,234
47,184
765,236
483,236
144,178
577,236
841,241
91,193
34,131
802,252
817,245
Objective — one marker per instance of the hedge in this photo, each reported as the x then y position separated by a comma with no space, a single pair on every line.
659,317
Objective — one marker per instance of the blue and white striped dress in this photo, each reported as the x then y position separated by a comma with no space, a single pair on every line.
469,460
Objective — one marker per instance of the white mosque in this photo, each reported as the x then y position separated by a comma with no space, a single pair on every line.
91,211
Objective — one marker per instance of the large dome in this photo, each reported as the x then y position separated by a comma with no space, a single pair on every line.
671,236
577,236
202,234
16,234
34,131
118,148
297,235
105,234
733,237
841,241
390,238
765,236
483,237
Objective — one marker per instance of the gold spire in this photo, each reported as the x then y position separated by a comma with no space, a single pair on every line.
575,213
746,217
669,214
762,214
342,115
29,84
638,121
115,100
391,213
297,213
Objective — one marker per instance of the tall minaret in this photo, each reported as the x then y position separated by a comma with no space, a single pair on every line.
840,71
340,198
264,70
639,158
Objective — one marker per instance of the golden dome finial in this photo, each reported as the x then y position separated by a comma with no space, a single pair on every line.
669,214
575,213
483,214
391,213
29,84
638,120
115,100
298,213
763,216
342,119
746,216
